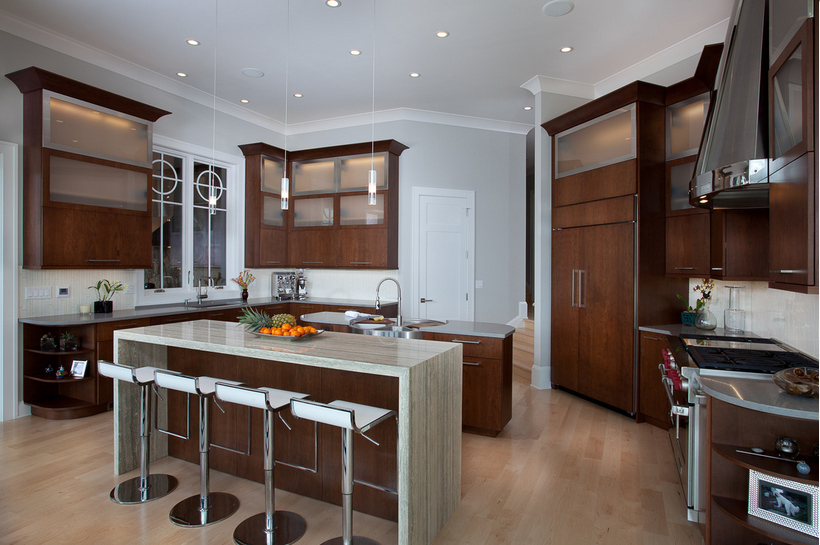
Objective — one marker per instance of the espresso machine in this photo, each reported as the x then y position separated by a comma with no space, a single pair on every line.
284,286
301,285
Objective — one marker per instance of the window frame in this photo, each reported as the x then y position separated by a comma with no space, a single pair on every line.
234,224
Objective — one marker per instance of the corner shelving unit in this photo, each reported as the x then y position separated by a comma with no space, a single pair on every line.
733,428
64,398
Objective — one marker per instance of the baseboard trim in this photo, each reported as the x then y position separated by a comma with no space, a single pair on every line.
541,377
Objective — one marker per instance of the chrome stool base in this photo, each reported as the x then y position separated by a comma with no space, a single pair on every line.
357,540
188,514
129,492
288,526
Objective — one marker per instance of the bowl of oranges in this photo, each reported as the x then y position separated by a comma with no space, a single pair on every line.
279,326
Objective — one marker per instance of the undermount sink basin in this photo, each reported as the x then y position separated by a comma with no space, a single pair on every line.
402,332
212,303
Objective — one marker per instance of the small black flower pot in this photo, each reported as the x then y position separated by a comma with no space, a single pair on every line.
103,306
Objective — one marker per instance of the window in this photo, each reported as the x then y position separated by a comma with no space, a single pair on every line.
191,203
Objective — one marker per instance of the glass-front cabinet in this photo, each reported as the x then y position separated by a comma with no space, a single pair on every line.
331,221
603,141
87,177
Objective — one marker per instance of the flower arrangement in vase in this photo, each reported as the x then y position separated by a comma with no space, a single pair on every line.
244,280
105,293
705,319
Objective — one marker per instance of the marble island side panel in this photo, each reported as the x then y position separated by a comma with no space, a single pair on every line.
429,425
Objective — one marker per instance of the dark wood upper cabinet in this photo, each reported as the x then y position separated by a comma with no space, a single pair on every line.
86,180
329,222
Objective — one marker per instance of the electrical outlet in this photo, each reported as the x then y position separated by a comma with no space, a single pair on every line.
479,284
62,291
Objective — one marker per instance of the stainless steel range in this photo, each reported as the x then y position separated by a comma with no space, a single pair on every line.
691,357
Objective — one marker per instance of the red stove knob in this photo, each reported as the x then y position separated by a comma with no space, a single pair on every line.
669,359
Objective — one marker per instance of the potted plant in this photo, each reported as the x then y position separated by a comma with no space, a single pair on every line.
105,293
47,342
689,316
68,341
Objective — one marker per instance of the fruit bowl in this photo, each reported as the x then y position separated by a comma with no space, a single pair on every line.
800,381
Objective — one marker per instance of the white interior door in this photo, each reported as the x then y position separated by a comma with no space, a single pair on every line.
444,247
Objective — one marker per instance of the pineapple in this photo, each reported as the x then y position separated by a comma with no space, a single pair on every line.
254,320
279,319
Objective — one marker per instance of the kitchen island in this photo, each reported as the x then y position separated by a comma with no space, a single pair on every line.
420,380
487,382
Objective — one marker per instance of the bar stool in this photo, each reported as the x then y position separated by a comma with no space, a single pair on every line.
206,508
146,487
271,527
351,417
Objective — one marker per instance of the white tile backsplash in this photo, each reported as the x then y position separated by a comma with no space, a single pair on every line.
783,315
79,294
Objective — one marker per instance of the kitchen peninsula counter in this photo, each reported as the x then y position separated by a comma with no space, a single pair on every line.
420,379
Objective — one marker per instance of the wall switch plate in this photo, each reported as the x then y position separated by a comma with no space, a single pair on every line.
38,292
479,284
63,291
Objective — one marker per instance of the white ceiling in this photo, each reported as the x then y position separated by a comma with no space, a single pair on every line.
494,47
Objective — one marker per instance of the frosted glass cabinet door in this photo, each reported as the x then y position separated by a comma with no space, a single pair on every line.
81,182
353,171
354,210
684,126
273,170
314,176
787,103
79,127
313,212
603,141
679,177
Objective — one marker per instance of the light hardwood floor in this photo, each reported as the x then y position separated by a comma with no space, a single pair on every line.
563,471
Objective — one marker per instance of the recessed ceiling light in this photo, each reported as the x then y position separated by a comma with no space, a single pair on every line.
244,101
333,3
557,8
193,42
253,72
442,34
414,74
528,108
566,49
298,95
355,52
182,74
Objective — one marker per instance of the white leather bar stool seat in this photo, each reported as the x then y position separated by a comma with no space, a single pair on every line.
271,527
146,487
207,507
351,418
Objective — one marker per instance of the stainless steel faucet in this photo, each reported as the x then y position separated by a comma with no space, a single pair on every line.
398,290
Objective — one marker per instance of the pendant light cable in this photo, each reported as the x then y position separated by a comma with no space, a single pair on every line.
371,175
285,189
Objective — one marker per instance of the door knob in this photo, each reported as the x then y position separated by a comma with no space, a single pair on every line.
423,300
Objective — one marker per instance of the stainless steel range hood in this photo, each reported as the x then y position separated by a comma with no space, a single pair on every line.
732,165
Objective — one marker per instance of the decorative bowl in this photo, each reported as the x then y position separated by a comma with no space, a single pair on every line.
800,381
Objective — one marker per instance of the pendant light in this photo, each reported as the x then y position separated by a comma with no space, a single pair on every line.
284,191
372,179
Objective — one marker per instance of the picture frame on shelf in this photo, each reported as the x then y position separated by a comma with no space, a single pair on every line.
784,502
78,368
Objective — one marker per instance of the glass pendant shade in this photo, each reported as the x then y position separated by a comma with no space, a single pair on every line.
285,193
372,180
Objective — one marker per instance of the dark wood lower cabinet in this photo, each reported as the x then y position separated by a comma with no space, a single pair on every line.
653,406
373,464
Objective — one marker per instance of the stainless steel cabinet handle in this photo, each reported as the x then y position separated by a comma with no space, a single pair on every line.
274,262
685,268
573,286
651,338
360,263
312,262
423,300
788,271
471,363
103,260
580,288
717,268
464,342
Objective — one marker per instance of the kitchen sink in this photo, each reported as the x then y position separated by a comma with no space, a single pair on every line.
402,332
212,303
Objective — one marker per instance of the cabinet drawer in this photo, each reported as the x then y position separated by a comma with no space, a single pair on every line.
474,346
105,332
617,210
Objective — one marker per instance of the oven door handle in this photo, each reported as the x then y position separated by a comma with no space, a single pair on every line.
675,410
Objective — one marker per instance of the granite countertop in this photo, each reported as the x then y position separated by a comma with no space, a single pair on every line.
179,308
369,354
453,327
753,391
